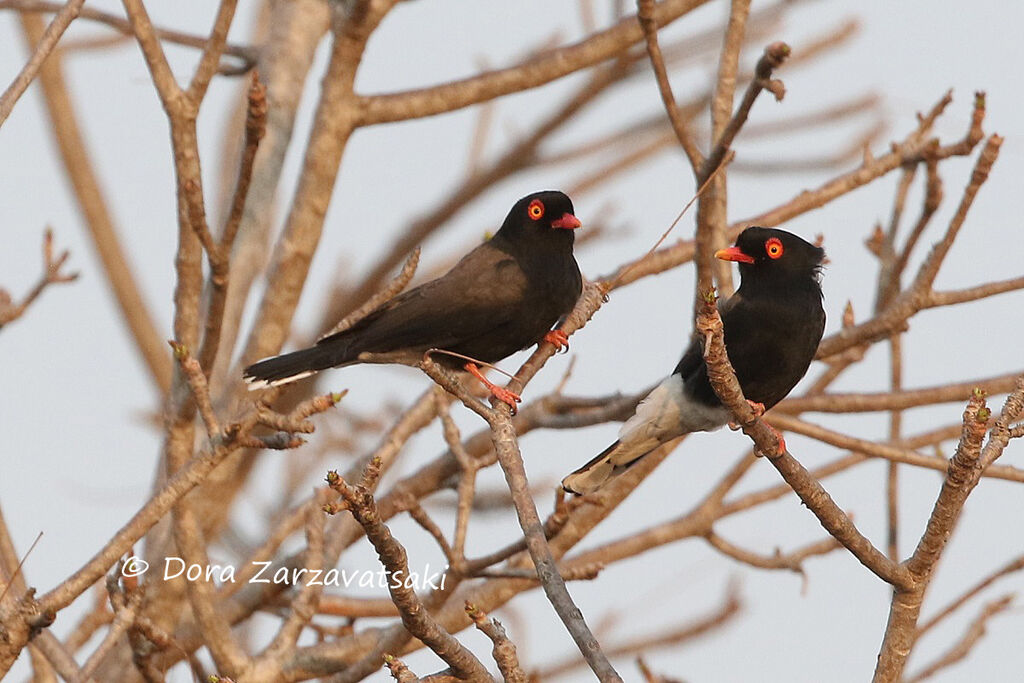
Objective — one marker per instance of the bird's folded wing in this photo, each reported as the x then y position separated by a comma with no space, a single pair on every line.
478,294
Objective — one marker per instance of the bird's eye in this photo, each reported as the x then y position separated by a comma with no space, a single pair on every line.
536,209
773,247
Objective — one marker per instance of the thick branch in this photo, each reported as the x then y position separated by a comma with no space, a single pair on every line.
529,74
334,121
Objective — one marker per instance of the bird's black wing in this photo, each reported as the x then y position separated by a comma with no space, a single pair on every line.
771,341
479,293
692,360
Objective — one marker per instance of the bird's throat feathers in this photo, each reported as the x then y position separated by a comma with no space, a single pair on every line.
781,284
535,238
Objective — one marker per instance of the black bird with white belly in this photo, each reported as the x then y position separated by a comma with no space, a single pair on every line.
772,327
503,296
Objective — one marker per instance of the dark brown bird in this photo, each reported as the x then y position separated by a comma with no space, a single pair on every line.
773,324
502,297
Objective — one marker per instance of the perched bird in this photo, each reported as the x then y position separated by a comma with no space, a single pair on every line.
501,297
773,324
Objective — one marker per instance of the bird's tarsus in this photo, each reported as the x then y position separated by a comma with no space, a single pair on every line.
500,393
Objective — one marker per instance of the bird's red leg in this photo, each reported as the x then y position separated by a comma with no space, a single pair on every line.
559,339
500,393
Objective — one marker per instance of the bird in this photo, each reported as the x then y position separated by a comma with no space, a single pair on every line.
772,326
501,297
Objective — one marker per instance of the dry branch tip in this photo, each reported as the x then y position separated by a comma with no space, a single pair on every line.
180,351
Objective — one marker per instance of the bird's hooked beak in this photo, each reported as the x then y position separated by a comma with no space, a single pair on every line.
733,254
567,221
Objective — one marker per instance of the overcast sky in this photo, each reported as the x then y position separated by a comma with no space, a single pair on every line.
79,450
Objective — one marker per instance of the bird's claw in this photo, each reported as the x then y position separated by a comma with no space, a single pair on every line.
505,396
758,409
558,339
501,393
782,441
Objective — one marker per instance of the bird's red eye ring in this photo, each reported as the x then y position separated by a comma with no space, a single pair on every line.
773,247
536,209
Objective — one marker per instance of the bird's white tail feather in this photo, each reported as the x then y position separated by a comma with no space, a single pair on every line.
609,463
254,384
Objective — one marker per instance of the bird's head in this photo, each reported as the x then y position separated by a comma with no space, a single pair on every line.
545,214
772,254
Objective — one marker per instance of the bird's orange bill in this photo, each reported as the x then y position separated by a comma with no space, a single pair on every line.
567,220
733,254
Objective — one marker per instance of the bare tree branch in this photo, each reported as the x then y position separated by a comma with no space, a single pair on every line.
46,43
51,275
98,219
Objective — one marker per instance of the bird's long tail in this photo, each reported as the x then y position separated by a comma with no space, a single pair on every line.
609,463
288,367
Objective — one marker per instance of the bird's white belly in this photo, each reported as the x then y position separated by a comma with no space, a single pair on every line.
667,412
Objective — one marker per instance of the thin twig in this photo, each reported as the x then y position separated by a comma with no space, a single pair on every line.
673,637
46,44
773,57
400,282
97,216
511,461
901,400
359,501
197,384
1014,565
246,55
51,275
504,651
533,72
974,633
790,561
645,14
888,452
219,255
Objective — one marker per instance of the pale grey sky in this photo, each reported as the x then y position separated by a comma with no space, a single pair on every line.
79,450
